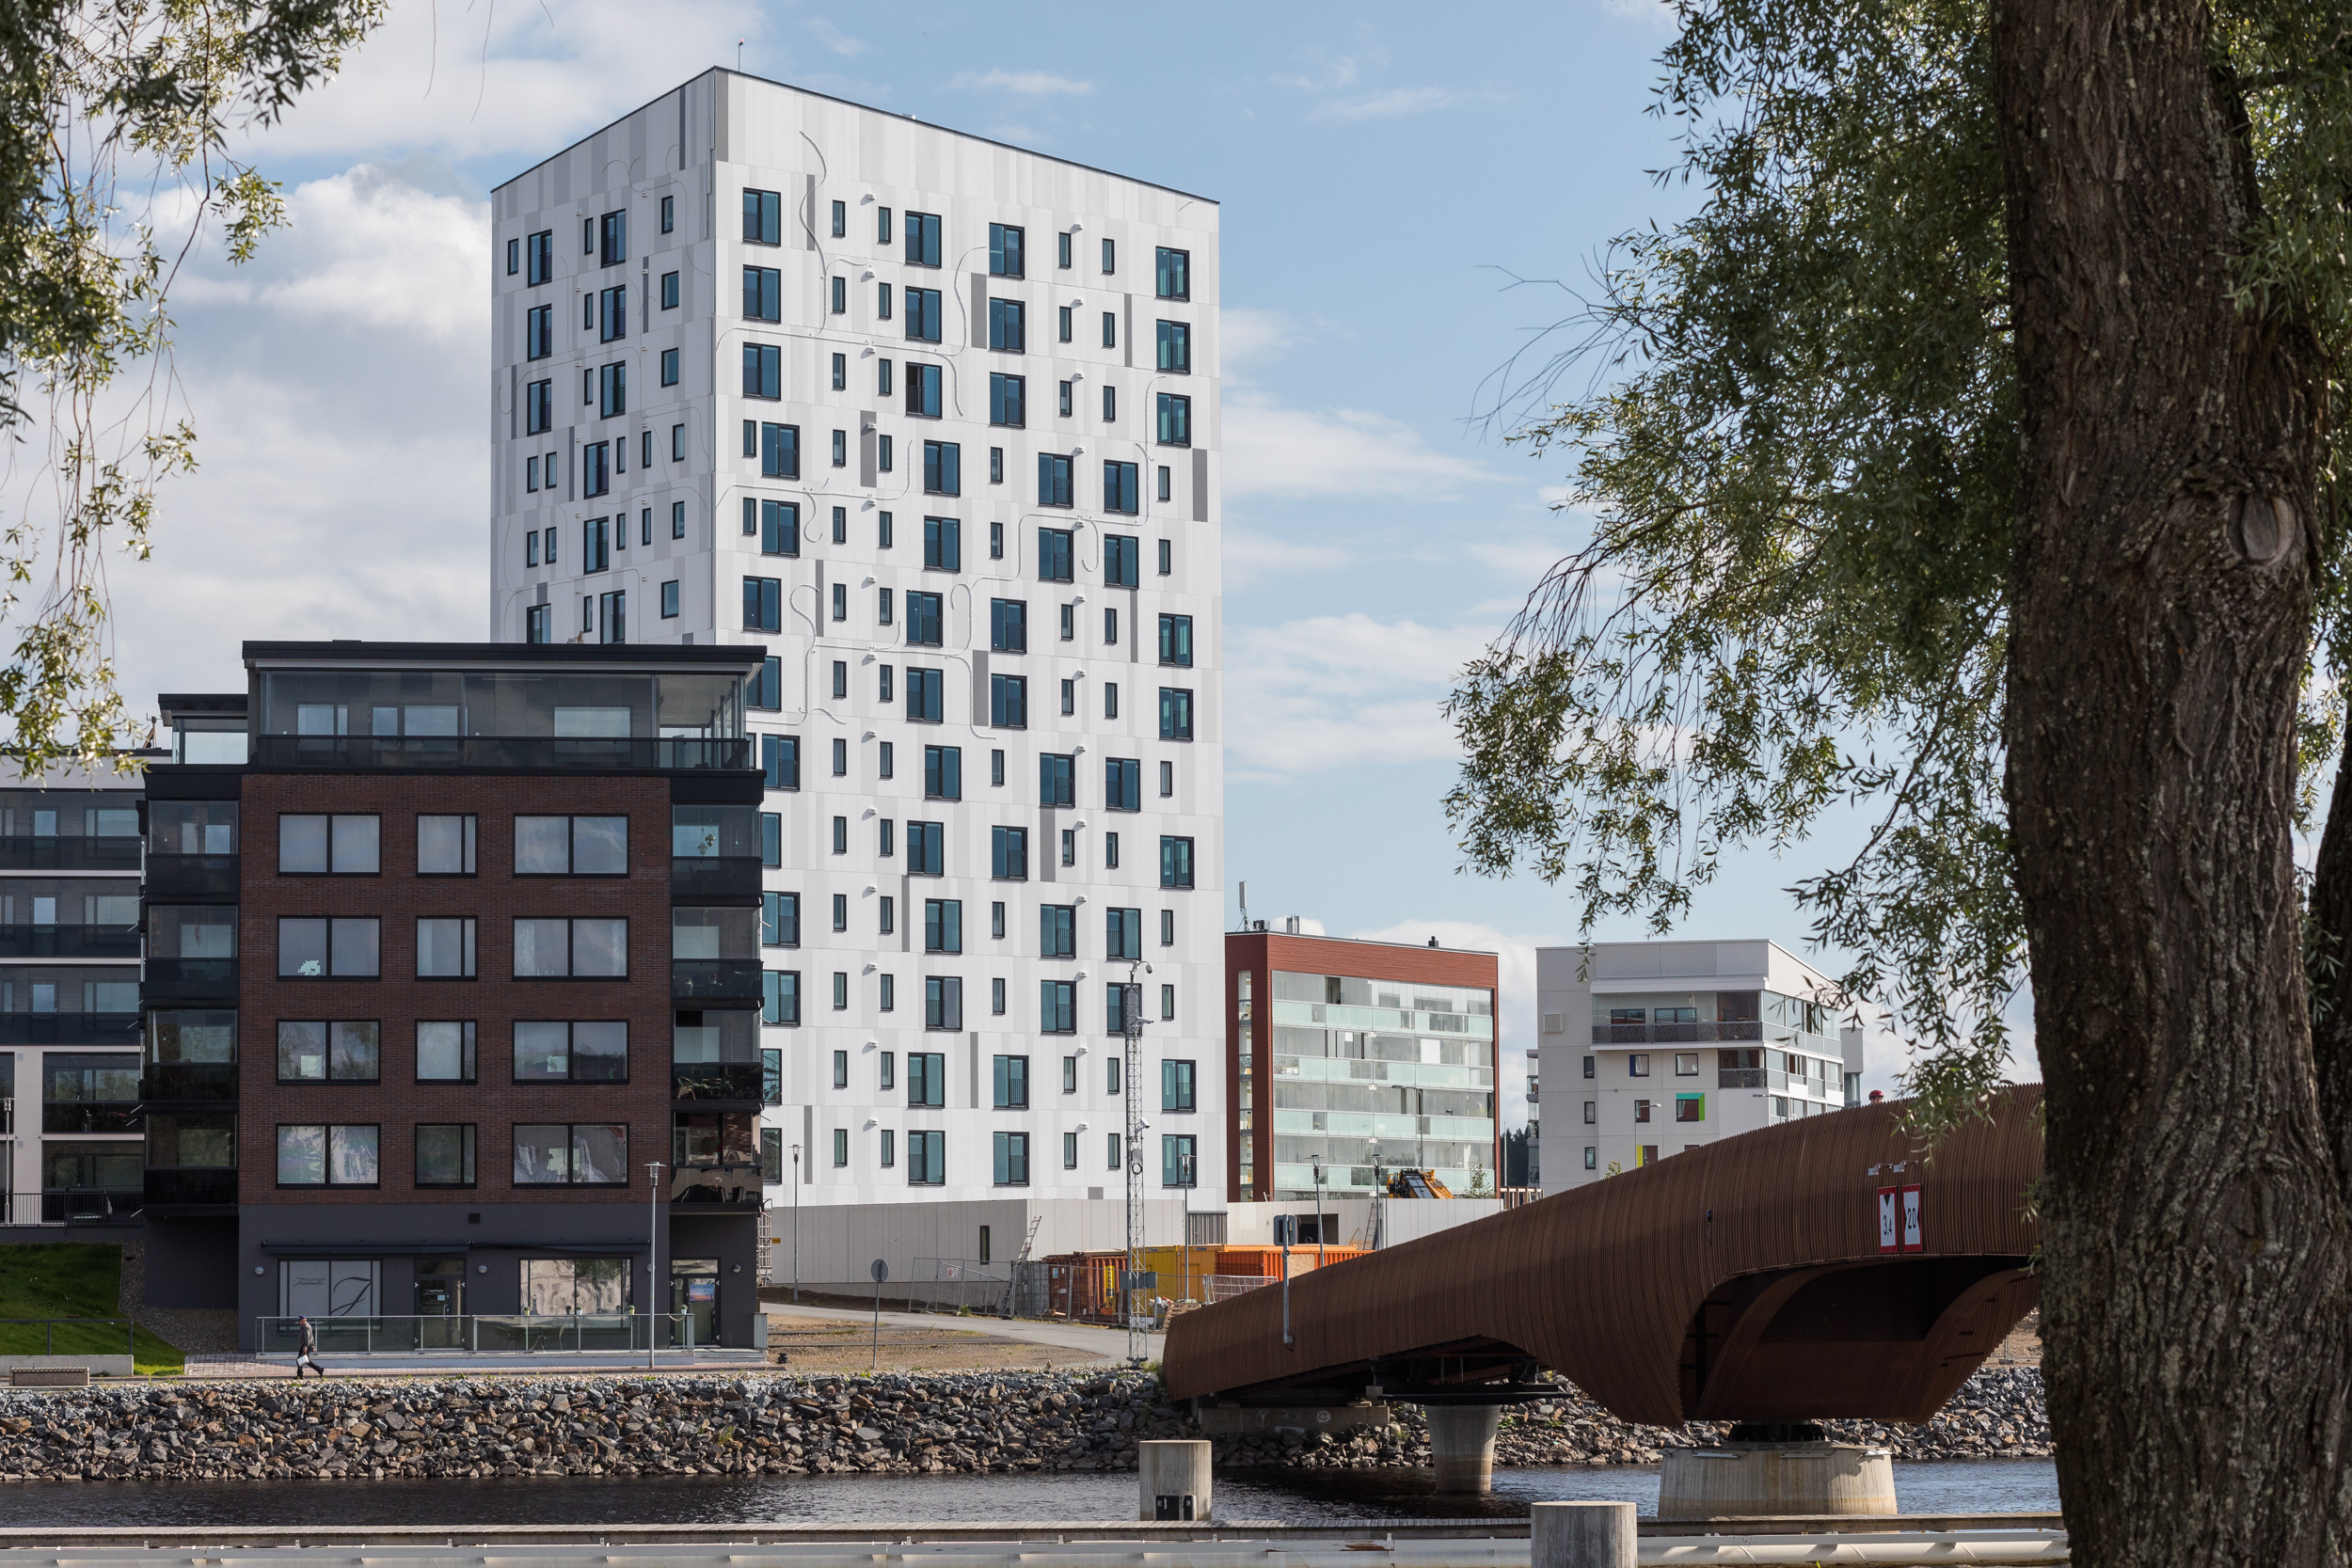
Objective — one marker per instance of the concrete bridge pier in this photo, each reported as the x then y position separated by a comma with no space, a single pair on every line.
1462,1446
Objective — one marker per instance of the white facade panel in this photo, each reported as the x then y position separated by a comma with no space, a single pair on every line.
835,554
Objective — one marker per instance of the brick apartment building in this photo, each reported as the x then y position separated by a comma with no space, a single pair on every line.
1348,1060
448,945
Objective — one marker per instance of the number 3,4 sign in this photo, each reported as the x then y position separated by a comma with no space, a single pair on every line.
1899,1219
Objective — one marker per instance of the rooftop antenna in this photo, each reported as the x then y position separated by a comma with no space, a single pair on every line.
738,53
1244,905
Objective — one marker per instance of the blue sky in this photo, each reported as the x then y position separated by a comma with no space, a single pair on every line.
1385,170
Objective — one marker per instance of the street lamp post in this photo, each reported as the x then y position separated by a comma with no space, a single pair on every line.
1316,1160
653,1253
796,1224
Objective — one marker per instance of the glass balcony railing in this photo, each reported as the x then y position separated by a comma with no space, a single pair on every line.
171,878
711,878
91,1205
1676,1034
715,979
116,1029
715,1081
89,1116
496,753
189,979
188,1080
192,1188
68,942
111,853
1740,1077
722,1187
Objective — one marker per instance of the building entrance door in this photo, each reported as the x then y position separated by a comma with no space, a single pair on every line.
440,1303
694,1292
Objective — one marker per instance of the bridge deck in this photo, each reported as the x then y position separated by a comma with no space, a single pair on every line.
1742,1281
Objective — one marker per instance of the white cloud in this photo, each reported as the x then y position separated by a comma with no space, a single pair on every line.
1391,105
835,39
1662,14
1246,336
1029,83
1515,994
1340,691
1251,557
1272,450
1524,560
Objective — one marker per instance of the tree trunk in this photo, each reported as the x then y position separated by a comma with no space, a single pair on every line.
2195,1299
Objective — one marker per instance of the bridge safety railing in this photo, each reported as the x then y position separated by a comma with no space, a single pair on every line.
482,1334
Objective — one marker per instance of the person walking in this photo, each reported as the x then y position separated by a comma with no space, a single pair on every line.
307,1353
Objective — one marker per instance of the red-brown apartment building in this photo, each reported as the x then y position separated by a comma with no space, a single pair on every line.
1347,1061
465,943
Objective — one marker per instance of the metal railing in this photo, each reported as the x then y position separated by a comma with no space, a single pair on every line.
482,1334
58,1206
16,1337
1676,1034
1225,1287
473,751
735,1186
960,1285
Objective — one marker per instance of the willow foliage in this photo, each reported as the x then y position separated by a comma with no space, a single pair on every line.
1799,449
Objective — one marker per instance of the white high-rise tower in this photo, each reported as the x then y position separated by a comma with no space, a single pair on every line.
935,421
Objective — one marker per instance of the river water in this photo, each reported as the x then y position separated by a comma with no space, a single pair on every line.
1951,1486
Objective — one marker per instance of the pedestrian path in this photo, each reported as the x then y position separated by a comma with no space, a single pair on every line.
1108,1343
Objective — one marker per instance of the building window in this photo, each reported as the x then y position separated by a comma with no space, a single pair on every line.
1009,854
841,1077
1123,784
780,992
553,1051
763,293
763,217
1689,1107
342,845
1012,1158
763,604
539,258
1056,783
1009,701
1005,245
1686,1064
841,1135
669,291
1167,927
1057,1007
1172,273
318,1051
1010,1080
1009,625
1175,713
1111,257
943,544
576,1154
445,1154
1176,648
1591,1157
1175,862
927,849
1008,327
943,924
943,469
1056,555
1057,931
1121,490
943,772
1637,1065
922,239
1007,400
780,919
338,948
1110,404
780,758
925,694
1592,1113
328,1155
539,332
1179,1160
1641,1110
445,1053
1123,936
571,845
1053,482
1175,419
922,315
923,619
925,389
445,948
943,1002
1168,1004
575,949
1176,1085
927,1159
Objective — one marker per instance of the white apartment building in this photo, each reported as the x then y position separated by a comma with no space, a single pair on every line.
935,421
1653,1047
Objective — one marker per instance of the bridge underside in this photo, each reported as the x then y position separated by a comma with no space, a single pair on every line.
1740,1282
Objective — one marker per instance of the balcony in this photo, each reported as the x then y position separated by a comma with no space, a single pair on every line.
1740,1077
70,854
191,878
113,1029
68,942
190,980
90,1116
1677,1034
167,1082
476,753
715,878
192,1188
90,1205
736,1081
725,1189
714,979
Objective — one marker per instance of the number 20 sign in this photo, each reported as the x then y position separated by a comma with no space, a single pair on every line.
1899,1219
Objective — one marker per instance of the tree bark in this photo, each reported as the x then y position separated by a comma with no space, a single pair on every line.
2195,1300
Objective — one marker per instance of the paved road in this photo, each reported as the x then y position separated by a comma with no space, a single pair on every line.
1110,1343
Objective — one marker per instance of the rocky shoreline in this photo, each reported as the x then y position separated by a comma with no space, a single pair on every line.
782,1424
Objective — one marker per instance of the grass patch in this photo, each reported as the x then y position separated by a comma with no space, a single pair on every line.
73,1279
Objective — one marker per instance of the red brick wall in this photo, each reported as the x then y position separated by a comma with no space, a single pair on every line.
494,1001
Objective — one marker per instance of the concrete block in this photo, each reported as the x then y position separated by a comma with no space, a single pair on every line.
1173,1479
1580,1535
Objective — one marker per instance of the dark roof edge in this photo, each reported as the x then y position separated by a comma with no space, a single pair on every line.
737,656
1371,942
770,81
